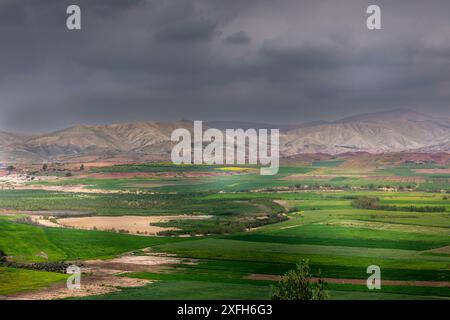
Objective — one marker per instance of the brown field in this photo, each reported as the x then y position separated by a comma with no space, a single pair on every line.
433,171
129,224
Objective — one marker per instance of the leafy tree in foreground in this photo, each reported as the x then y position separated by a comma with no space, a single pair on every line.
297,285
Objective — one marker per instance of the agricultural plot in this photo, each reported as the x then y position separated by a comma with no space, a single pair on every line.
14,280
244,230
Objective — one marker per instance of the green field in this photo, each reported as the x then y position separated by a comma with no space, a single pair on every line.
26,243
16,280
259,225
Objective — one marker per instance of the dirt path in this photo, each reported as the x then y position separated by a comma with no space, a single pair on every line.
440,284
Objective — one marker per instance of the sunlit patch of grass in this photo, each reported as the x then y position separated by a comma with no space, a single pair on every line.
17,280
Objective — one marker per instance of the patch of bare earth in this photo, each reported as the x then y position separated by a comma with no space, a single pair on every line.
444,250
100,277
284,203
138,225
90,286
146,263
289,227
67,188
433,171
45,221
271,277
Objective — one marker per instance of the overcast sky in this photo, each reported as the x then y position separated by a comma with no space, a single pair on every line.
283,61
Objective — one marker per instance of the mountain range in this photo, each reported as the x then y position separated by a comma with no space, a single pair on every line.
393,131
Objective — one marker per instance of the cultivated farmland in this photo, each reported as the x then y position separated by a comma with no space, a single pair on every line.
211,232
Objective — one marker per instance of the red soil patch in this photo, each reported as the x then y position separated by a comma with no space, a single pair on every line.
433,171
118,175
303,177
399,179
443,284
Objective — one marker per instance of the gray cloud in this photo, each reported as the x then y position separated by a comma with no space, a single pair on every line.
238,38
186,32
255,60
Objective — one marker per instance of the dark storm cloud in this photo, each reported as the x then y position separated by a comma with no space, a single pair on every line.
255,60
238,38
186,32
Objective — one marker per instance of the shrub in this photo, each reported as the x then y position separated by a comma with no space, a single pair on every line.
366,203
2,256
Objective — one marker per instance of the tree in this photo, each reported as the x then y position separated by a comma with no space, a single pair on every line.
82,167
10,168
68,174
297,285
44,167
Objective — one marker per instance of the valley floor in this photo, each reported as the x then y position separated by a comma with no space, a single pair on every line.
243,232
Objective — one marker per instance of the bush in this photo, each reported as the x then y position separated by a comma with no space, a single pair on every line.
296,285
366,203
